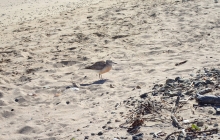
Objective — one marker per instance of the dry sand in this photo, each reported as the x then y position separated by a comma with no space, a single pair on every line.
41,57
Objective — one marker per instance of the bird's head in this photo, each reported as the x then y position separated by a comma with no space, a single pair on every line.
110,62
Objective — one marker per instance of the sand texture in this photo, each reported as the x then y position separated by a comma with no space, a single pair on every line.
40,60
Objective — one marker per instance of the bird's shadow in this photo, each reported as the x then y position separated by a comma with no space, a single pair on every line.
98,82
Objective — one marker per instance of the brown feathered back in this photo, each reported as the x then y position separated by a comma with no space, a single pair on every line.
97,66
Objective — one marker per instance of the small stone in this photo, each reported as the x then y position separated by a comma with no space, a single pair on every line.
162,89
200,123
78,130
117,120
153,15
108,122
181,137
12,109
138,137
210,112
75,85
138,87
67,102
151,133
16,100
86,137
30,94
57,103
68,87
144,95
170,81
92,134
109,128
117,105
209,82
198,83
209,123
112,86
100,133
215,125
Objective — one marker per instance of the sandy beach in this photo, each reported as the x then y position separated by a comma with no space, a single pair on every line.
45,92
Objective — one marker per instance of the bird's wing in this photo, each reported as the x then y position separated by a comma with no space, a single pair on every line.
97,66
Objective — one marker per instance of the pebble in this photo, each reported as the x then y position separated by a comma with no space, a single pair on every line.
112,86
76,85
109,128
209,82
117,120
74,89
145,95
209,123
86,137
138,137
57,103
210,112
186,121
177,79
31,94
215,125
200,123
170,81
100,133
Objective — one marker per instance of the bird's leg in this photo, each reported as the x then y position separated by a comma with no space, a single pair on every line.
100,77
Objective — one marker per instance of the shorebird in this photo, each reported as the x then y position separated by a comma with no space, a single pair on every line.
102,67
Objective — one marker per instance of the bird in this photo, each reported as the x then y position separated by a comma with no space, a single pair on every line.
102,67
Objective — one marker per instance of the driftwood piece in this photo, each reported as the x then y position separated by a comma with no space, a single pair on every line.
175,121
185,100
202,92
208,132
177,132
180,63
176,104
207,99
7,52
